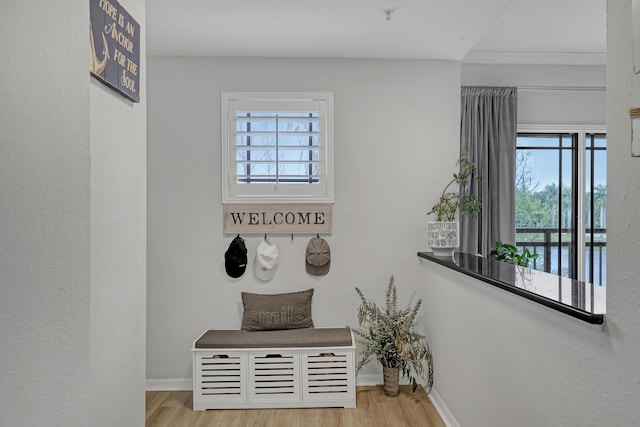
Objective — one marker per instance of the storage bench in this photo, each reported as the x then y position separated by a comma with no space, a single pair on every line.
295,368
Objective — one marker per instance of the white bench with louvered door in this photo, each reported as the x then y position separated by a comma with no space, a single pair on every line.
294,368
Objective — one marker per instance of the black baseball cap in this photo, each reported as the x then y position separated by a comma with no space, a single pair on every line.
235,258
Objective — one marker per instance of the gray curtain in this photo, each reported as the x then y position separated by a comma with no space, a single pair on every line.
488,126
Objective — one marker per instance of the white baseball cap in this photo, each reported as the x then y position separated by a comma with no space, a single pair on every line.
266,261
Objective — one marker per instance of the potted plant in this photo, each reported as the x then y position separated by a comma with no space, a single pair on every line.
509,253
389,336
443,233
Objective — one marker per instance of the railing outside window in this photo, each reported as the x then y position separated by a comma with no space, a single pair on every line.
555,255
561,195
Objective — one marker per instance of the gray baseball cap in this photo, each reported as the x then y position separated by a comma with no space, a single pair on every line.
318,257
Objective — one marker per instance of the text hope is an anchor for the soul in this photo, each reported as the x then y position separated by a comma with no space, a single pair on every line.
123,41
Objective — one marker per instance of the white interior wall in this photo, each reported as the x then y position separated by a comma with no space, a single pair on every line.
533,366
72,227
118,248
542,105
44,214
396,133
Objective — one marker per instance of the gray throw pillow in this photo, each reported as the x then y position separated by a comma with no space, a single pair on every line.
266,312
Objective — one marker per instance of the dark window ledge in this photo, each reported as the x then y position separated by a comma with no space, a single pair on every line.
581,300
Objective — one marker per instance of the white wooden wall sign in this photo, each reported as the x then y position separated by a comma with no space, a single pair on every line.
277,218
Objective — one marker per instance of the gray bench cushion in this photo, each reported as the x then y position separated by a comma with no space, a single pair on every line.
306,337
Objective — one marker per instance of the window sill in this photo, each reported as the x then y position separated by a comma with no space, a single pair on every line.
581,300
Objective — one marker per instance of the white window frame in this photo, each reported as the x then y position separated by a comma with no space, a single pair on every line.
235,192
581,130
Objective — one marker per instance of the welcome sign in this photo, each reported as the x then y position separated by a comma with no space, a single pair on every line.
115,47
277,218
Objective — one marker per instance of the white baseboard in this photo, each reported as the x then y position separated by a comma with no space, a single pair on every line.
368,380
180,384
170,384
373,379
444,412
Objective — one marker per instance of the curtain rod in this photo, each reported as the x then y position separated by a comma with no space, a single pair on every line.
564,88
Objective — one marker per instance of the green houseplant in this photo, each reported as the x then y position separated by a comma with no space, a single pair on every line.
388,335
442,234
458,199
509,253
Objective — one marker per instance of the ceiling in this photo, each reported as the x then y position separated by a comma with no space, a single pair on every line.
469,30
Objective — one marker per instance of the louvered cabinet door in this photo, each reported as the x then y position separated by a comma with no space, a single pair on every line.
220,377
328,375
274,376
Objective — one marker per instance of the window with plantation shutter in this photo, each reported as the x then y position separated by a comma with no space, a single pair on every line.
277,147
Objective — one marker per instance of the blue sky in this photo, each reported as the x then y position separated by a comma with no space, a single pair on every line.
544,168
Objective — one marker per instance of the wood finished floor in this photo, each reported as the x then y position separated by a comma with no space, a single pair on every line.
374,409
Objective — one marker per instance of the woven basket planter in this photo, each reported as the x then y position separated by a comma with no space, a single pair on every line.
391,380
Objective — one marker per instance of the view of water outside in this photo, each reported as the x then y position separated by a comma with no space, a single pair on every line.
599,274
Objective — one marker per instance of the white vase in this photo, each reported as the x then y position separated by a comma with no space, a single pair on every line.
443,237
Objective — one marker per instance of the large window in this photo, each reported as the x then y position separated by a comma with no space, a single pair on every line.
561,196
277,147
